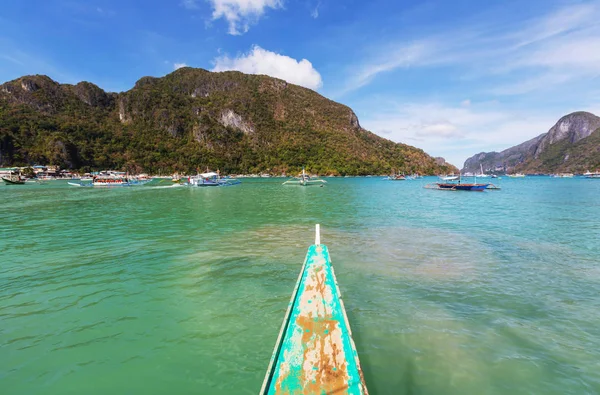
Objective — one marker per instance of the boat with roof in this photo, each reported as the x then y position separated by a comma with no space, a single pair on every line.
13,179
211,179
458,185
110,178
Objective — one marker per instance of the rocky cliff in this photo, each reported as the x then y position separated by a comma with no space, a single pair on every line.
569,146
194,118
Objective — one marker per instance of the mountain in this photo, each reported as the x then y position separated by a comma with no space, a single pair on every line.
572,145
190,119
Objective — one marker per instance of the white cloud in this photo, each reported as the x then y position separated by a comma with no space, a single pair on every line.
261,61
179,65
315,12
240,14
556,23
548,64
190,4
535,54
458,132
403,56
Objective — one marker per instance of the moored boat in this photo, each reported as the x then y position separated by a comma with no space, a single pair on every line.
396,177
589,174
562,175
305,180
13,179
481,174
462,187
211,179
516,175
315,352
107,181
459,186
12,176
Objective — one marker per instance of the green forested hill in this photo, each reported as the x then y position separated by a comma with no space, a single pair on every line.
193,119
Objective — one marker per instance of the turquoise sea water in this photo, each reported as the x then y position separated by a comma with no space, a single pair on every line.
156,290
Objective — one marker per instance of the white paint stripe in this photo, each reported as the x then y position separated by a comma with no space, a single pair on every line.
318,234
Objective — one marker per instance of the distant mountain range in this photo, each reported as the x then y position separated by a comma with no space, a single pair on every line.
572,145
191,119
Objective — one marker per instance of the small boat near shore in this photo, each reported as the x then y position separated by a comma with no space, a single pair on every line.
450,186
110,181
305,180
14,179
562,175
396,177
211,179
481,174
314,352
589,174
461,186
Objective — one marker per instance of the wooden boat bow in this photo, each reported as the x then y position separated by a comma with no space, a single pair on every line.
315,353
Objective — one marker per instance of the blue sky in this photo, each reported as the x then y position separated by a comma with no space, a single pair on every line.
451,77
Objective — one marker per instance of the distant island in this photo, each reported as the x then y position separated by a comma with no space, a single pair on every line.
572,145
191,119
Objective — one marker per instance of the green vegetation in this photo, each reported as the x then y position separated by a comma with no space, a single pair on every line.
563,156
194,119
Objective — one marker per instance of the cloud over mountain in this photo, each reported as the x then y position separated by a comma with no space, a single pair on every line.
262,61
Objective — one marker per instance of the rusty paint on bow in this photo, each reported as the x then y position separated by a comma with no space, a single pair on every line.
315,353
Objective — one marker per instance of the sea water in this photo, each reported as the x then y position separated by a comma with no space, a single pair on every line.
155,290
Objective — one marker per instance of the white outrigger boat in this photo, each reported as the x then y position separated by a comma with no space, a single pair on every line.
104,182
112,181
211,179
305,180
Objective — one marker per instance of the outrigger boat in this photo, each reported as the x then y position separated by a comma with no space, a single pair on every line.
314,353
13,179
110,178
211,179
305,180
396,177
108,181
460,186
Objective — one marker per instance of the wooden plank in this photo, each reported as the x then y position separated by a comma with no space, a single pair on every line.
315,353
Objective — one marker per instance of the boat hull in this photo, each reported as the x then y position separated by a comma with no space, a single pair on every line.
463,187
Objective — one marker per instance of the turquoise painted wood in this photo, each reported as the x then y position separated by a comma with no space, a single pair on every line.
315,353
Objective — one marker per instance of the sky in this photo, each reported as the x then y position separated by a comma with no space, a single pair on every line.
451,77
